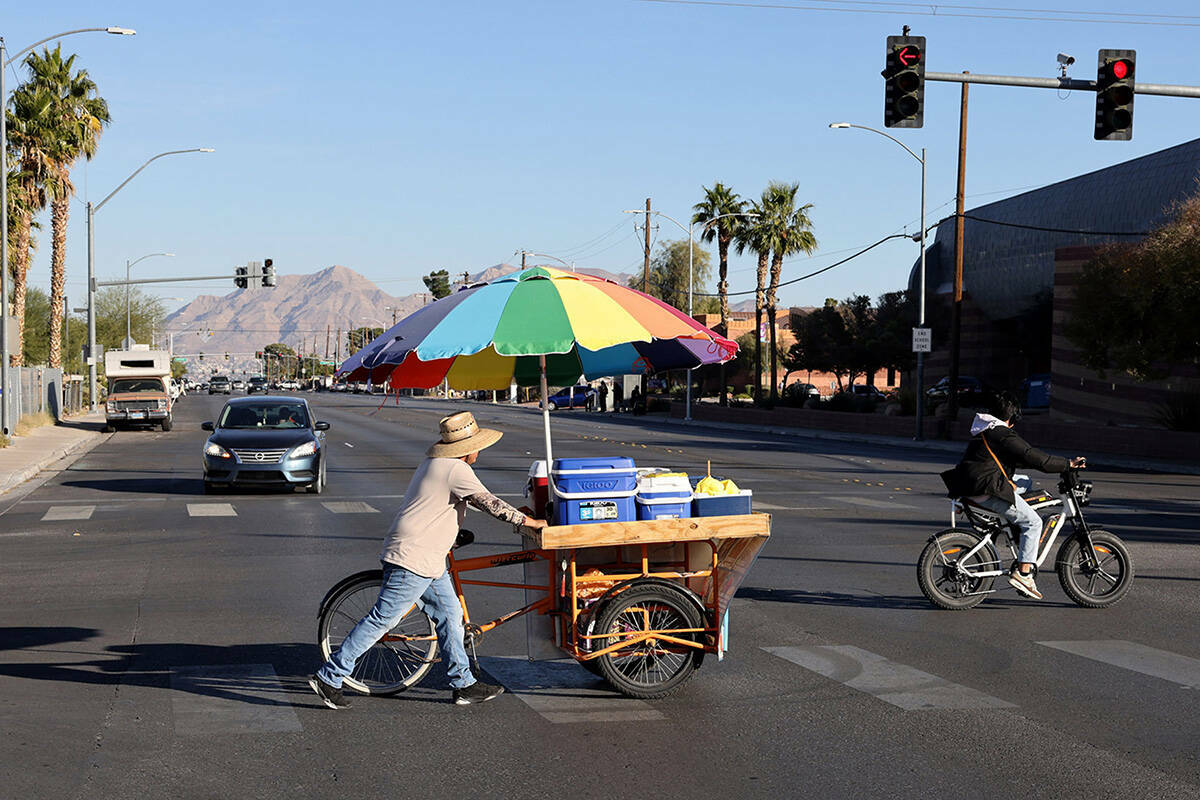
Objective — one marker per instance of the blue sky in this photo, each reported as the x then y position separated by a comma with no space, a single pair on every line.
396,138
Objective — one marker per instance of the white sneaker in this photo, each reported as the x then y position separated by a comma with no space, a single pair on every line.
1024,584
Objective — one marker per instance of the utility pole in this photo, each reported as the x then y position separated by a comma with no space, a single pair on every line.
522,259
466,278
337,344
956,319
327,329
646,248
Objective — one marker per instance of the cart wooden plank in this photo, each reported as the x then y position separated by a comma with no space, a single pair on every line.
599,534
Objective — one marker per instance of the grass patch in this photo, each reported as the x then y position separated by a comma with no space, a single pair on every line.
4,441
28,422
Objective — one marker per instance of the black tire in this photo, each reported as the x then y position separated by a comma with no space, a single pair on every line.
389,667
647,669
1095,588
166,424
317,486
552,406
938,576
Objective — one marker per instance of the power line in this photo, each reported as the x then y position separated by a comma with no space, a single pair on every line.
1047,229
935,11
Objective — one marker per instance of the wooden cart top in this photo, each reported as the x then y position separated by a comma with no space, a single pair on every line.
598,534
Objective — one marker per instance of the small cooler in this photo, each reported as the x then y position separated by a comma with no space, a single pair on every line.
664,495
593,490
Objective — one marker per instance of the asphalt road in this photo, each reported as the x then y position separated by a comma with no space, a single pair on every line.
154,640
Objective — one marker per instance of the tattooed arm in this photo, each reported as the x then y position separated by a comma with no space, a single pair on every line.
488,503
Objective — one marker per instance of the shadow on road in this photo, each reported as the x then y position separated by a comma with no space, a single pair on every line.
883,601
19,638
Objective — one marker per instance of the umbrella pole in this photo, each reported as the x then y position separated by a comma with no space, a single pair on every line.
546,414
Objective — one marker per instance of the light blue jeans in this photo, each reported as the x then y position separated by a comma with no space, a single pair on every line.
401,589
1026,519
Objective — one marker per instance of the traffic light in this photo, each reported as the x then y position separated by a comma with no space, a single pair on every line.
258,353
904,82
241,280
202,356
1114,94
268,273
227,356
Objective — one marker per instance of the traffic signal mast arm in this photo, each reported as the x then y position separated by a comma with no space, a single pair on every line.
1163,89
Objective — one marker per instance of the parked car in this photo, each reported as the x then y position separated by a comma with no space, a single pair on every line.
268,440
219,384
800,393
863,390
1035,391
972,392
256,384
571,397
340,386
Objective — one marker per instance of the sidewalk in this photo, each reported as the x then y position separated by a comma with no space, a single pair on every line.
30,454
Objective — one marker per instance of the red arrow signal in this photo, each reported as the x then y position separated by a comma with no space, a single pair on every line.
909,55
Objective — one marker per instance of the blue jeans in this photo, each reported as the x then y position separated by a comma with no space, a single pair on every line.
1026,519
401,589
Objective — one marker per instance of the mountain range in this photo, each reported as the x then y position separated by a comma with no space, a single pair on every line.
309,313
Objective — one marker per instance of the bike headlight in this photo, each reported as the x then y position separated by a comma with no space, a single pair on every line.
306,449
216,451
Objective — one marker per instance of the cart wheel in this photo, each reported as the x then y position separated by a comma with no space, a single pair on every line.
399,660
651,667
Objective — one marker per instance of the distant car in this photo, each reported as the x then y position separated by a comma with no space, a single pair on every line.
863,390
805,390
972,392
339,387
256,384
219,384
572,397
239,385
1035,391
264,441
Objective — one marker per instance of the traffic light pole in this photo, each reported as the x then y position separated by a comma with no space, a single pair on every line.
1163,89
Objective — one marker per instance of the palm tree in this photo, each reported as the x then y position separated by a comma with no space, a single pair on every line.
790,233
756,237
27,127
77,117
718,201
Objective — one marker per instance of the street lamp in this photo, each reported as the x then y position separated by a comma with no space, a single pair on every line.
5,426
687,417
128,265
570,266
921,280
91,262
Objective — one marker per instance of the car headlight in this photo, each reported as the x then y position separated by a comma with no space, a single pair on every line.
162,405
110,406
216,451
306,449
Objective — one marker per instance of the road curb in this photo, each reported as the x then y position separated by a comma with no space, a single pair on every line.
20,475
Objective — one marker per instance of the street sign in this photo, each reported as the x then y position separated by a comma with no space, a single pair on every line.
922,340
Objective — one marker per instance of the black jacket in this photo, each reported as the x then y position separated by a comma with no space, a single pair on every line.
978,473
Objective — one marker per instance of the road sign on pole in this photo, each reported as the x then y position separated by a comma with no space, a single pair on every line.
922,340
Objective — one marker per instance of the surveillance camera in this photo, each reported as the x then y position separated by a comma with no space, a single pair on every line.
1065,59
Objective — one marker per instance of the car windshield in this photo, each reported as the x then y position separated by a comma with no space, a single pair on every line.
264,415
135,385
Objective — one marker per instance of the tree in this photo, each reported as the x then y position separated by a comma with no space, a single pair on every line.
718,202
438,283
281,360
669,277
1135,305
823,343
35,339
756,237
789,233
75,119
146,315
359,338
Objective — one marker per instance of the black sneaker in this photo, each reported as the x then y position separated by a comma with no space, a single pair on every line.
478,692
330,695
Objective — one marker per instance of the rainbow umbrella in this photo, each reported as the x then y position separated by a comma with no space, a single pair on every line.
539,325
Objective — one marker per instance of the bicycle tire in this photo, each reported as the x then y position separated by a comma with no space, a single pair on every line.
1081,584
937,573
389,667
648,669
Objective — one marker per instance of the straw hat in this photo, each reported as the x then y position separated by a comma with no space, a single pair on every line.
461,436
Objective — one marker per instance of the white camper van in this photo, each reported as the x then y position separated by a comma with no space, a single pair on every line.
139,388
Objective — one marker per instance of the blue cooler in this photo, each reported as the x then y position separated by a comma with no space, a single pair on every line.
664,496
593,490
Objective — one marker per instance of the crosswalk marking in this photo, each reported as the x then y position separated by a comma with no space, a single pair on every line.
870,502
211,510
354,507
217,700
1169,666
58,513
898,684
562,691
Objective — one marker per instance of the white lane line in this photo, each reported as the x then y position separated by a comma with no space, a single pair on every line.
356,507
761,506
230,698
898,684
562,691
56,513
869,502
211,510
1164,664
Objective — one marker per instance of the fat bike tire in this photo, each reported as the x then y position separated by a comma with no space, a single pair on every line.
1101,587
938,575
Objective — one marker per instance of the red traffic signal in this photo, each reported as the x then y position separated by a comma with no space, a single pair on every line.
904,82
1114,94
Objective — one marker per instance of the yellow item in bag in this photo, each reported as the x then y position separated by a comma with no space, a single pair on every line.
729,487
710,486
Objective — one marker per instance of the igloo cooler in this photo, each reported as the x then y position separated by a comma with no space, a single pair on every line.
663,496
593,490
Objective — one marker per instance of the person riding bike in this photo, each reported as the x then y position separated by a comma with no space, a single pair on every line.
984,477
